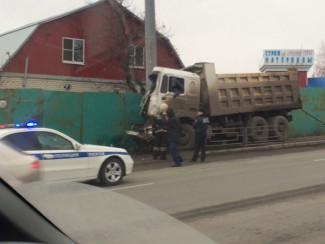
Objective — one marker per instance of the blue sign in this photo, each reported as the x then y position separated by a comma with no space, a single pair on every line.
282,59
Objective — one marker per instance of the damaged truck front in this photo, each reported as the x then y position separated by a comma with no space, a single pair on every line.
170,86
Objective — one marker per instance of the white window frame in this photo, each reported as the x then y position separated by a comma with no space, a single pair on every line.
133,53
73,50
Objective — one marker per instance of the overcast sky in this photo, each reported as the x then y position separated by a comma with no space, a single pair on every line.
230,33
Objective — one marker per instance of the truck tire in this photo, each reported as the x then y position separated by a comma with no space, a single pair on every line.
187,137
258,129
279,127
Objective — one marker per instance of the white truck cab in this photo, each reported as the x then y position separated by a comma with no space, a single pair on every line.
179,89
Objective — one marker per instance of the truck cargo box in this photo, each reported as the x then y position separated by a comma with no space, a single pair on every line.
250,92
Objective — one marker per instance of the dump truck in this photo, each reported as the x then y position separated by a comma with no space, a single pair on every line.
253,104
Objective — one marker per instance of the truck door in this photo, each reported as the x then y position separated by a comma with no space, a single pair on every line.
172,92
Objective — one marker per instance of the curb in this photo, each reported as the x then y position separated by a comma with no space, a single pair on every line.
268,147
146,159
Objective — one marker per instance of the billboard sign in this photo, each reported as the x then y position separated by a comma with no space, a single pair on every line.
282,59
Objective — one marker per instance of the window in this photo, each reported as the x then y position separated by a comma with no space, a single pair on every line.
52,141
136,56
164,84
25,141
172,84
73,51
38,140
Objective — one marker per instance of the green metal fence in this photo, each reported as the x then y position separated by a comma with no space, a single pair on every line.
102,118
94,118
310,120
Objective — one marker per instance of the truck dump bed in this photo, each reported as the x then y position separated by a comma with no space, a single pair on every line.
251,92
237,93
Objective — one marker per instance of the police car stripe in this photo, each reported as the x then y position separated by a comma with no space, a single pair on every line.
68,155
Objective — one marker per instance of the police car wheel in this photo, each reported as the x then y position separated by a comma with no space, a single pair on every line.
111,172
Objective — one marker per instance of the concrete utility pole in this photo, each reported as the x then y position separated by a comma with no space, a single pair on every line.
150,39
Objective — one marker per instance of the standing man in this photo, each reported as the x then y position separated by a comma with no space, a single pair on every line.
200,127
173,135
160,133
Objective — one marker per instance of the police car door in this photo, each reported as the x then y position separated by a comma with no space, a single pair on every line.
60,159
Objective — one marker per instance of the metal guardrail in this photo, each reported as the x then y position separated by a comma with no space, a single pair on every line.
247,136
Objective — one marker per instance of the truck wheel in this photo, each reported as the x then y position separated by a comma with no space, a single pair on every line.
258,129
111,173
187,137
279,127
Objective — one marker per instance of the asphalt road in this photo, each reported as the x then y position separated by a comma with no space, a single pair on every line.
254,196
299,220
226,178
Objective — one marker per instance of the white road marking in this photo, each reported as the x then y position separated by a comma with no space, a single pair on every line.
128,187
317,160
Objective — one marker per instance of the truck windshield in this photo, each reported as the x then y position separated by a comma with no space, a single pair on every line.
145,99
153,78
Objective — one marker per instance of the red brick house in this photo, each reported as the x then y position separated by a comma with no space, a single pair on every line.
99,47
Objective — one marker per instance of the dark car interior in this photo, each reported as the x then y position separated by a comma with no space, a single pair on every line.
21,223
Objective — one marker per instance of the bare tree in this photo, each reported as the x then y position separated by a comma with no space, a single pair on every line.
319,64
115,38
122,34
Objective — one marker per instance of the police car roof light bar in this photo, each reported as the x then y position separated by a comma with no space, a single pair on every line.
29,124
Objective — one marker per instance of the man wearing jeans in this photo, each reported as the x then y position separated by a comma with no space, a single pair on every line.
173,135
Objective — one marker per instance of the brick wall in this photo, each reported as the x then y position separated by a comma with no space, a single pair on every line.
53,83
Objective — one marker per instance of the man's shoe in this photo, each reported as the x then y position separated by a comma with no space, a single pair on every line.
176,165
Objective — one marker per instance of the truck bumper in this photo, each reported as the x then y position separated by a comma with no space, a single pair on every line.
143,136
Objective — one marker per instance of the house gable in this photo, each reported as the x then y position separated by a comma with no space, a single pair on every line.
11,42
106,33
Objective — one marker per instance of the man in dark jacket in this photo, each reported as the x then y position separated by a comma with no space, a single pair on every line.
200,127
173,135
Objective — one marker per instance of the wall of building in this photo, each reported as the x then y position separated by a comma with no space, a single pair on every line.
106,40
61,83
316,82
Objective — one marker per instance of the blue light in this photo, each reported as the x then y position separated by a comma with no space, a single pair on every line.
31,124
17,125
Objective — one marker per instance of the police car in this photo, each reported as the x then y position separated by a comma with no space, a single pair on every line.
63,158
23,167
